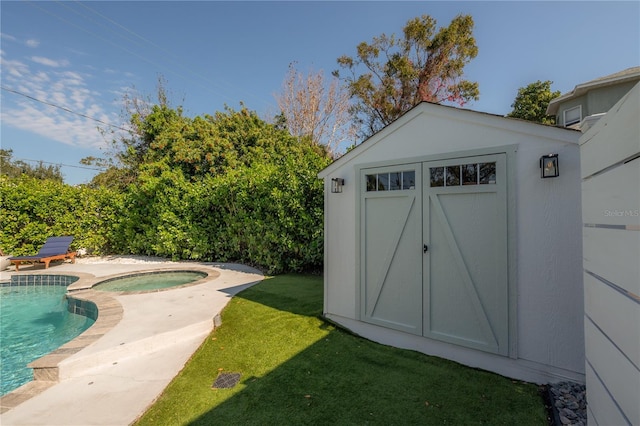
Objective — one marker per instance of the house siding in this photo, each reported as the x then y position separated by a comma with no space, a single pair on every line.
610,158
595,101
603,99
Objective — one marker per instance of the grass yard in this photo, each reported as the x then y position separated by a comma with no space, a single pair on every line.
297,369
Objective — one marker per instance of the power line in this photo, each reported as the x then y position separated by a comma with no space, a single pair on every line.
55,164
131,52
85,17
102,38
63,108
179,61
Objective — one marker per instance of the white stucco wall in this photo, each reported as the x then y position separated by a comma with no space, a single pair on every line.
340,245
547,249
610,155
550,258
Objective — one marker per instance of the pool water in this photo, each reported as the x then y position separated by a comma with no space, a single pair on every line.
150,281
34,321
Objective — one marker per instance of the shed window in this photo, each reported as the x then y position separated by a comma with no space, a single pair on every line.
372,182
487,173
383,181
437,176
409,180
469,174
394,181
463,174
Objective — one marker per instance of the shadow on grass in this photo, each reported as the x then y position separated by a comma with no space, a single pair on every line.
232,291
333,382
297,294
300,370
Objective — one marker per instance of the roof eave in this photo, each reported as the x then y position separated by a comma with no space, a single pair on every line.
560,134
583,88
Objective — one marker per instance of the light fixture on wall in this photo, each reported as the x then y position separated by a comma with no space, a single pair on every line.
549,166
336,185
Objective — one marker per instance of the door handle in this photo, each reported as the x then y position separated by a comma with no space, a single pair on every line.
425,248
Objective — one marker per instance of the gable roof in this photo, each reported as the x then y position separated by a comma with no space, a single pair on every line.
624,76
466,115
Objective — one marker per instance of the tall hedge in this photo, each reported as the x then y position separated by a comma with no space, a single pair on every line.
31,210
270,215
229,188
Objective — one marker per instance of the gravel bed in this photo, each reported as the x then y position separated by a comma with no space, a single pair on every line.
569,403
131,259
121,259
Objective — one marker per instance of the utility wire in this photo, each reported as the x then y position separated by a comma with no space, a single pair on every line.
179,61
131,52
48,162
159,66
94,22
63,108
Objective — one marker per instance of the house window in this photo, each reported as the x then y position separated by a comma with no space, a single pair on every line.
572,115
463,174
394,181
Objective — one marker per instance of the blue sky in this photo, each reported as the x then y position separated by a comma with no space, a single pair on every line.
85,55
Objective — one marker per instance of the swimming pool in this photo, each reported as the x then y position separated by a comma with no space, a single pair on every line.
149,281
34,321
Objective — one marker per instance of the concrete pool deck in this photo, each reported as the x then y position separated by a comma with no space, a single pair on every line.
111,375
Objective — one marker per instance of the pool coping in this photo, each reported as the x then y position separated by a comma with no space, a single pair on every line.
45,368
110,313
92,281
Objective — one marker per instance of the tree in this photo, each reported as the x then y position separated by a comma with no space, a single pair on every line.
532,101
315,109
423,65
125,151
11,168
226,187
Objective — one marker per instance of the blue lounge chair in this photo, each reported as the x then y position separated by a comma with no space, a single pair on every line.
55,248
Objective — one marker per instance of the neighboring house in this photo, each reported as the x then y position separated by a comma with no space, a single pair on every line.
442,237
587,101
610,168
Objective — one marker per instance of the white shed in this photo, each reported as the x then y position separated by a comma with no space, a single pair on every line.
445,239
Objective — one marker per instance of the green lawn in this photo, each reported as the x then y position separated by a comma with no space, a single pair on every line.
297,369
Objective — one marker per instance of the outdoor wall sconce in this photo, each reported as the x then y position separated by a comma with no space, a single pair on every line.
336,185
549,166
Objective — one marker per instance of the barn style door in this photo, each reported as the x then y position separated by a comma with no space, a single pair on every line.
465,266
391,256
433,244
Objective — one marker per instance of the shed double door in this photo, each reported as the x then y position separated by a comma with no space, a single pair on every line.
434,258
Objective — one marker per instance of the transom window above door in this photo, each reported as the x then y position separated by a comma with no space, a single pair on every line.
393,181
463,174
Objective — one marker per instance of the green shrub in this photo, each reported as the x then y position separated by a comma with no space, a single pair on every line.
162,218
35,209
270,216
228,188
